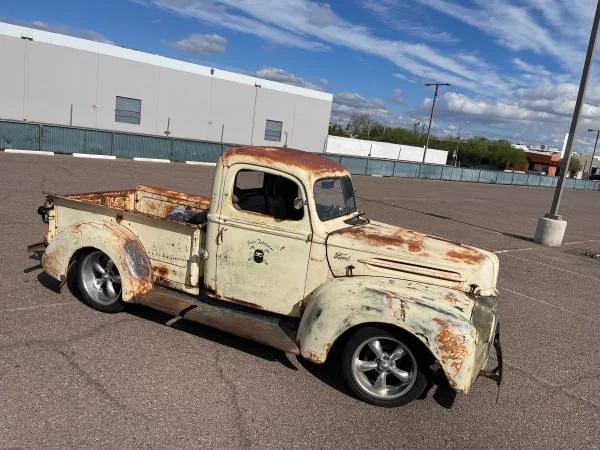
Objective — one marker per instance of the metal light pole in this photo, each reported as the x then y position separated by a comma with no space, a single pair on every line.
551,228
457,142
592,130
437,86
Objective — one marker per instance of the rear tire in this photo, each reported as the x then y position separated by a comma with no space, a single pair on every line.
381,368
99,282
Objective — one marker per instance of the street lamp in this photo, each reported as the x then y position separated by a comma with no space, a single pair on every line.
551,228
437,86
593,130
458,141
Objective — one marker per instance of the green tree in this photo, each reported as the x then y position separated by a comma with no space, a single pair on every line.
574,165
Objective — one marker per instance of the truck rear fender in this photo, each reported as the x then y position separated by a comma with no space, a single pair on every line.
115,241
349,302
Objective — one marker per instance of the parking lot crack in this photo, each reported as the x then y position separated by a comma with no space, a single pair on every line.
554,387
96,385
239,418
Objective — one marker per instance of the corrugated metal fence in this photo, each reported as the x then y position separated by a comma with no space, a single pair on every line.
393,168
63,139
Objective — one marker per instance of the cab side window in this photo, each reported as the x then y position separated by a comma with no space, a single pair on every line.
266,194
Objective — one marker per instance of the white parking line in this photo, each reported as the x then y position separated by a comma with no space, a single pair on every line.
513,250
28,308
200,163
158,160
93,156
583,316
581,242
28,152
555,267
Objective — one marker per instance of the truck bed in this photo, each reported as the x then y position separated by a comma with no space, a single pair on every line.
152,201
174,243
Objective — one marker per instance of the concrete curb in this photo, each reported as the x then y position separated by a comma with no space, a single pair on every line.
201,163
28,152
92,156
157,160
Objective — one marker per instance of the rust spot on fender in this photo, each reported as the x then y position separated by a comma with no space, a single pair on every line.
452,348
465,255
398,307
313,357
285,156
452,297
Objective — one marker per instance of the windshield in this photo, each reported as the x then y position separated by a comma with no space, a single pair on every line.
334,197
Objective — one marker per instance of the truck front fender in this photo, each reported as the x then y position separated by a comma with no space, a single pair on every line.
117,242
438,317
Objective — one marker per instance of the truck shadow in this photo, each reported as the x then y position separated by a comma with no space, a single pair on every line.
213,335
328,373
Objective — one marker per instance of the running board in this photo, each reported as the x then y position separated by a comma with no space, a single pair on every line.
269,329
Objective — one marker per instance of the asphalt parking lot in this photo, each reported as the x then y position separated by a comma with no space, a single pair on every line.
74,377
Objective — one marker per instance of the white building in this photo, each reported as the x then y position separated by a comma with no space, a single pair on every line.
56,79
375,149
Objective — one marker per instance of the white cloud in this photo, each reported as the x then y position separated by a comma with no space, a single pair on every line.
283,76
515,24
202,44
90,35
314,26
39,24
398,96
404,77
393,13
346,104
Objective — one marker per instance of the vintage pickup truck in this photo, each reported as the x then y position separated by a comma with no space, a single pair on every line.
281,255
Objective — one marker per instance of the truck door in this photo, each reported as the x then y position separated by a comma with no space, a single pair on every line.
263,243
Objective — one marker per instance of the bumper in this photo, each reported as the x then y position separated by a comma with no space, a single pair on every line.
495,373
485,320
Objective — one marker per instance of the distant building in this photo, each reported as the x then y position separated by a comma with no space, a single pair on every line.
62,80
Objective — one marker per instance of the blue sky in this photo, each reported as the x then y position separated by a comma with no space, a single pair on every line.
514,65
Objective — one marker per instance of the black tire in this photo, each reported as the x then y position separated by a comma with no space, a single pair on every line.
400,358
99,282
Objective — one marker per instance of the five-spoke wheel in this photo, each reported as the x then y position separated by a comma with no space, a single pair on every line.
100,282
382,369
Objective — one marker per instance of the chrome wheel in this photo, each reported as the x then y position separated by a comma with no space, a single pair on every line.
384,367
100,278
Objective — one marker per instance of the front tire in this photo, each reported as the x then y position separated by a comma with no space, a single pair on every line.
99,282
381,368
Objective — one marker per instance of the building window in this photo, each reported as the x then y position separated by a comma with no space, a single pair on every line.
128,110
273,130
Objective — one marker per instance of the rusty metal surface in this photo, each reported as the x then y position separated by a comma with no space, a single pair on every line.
115,241
384,250
438,317
150,200
277,156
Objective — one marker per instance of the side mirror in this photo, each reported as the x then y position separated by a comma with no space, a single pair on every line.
299,202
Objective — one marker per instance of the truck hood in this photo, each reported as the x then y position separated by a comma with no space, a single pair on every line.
378,249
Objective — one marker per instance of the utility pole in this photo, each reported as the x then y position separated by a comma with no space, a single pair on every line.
551,228
415,125
592,130
437,86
